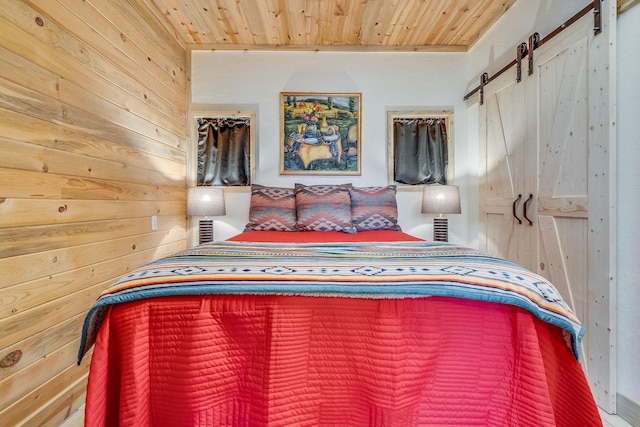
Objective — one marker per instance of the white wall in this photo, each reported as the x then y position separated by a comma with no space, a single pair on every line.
628,182
387,81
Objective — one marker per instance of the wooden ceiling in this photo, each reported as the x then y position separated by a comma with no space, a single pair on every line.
362,25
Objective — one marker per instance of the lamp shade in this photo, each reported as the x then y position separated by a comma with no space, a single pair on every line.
205,201
441,199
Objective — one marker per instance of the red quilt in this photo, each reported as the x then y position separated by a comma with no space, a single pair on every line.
235,360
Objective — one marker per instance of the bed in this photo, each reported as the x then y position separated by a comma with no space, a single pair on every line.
329,327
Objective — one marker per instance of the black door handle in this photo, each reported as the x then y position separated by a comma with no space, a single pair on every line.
515,207
525,208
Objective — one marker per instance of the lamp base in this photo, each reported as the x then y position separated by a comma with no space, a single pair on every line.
440,229
205,231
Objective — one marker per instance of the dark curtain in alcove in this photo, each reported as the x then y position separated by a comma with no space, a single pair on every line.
421,155
223,151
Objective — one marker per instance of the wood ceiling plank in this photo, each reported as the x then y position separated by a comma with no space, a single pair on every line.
295,17
378,36
245,23
353,29
496,10
211,29
415,25
268,10
314,25
173,12
255,19
401,23
281,21
434,18
370,20
334,16
312,22
347,22
468,26
455,15
216,20
434,15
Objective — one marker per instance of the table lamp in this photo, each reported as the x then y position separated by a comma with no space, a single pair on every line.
441,199
205,201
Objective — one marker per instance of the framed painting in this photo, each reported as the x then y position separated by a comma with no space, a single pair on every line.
320,133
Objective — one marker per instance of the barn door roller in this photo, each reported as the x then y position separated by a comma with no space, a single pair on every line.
597,16
484,78
534,39
521,52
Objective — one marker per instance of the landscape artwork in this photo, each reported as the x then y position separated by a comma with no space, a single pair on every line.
320,133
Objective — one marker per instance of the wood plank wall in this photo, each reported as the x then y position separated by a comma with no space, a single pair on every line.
92,144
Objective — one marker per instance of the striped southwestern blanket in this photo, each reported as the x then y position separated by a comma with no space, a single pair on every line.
357,270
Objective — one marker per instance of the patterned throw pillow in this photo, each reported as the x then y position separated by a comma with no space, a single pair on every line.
324,208
374,208
272,209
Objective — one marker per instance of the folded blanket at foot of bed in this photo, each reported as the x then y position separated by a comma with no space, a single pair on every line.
356,269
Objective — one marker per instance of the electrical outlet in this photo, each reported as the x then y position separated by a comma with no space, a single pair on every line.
154,222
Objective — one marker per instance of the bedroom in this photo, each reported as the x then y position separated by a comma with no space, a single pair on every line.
81,176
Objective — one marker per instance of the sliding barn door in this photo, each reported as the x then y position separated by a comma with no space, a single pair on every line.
506,162
558,90
545,192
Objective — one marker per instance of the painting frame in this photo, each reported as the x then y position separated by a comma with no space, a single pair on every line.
320,133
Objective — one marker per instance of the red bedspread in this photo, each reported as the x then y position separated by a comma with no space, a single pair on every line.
246,360
294,361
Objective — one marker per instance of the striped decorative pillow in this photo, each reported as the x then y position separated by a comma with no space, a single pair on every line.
374,208
324,208
272,209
